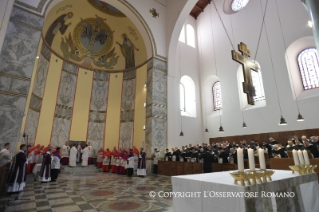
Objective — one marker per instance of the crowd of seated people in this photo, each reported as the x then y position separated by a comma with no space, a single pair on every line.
228,152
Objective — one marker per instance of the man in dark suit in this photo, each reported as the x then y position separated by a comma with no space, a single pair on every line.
272,141
209,158
314,150
168,155
233,154
223,155
268,147
194,155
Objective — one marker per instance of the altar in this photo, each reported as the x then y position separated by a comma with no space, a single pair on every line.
217,192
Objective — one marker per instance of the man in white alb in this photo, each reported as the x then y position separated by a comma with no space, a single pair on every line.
90,148
73,152
85,156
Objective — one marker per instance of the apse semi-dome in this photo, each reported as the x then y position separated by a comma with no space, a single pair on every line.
94,35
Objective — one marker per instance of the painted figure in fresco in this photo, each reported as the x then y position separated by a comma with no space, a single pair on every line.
127,49
57,25
93,35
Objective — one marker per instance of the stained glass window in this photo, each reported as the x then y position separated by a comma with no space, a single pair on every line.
258,84
217,96
182,97
237,5
309,68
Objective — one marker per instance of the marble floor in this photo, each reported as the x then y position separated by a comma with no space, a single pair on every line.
93,192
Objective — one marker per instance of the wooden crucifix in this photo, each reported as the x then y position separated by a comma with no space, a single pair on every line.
248,65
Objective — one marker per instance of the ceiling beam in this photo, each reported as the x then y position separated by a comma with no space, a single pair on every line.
198,7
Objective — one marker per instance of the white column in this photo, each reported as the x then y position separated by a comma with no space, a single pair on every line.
5,12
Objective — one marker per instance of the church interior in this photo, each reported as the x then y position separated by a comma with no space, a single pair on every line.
133,105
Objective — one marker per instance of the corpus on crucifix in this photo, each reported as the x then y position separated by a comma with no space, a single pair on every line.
248,65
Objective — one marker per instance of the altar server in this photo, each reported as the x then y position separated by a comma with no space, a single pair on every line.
17,174
141,167
45,172
65,153
5,155
73,156
130,163
106,160
55,164
85,156
100,156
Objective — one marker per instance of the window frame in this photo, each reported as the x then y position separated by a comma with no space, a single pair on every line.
302,71
214,102
184,99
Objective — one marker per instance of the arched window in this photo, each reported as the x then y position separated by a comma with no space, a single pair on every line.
190,35
237,5
187,96
217,96
258,84
182,35
308,62
182,97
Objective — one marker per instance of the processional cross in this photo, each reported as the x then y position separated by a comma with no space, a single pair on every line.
248,65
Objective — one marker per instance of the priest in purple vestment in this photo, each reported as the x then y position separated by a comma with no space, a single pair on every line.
18,170
141,168
45,172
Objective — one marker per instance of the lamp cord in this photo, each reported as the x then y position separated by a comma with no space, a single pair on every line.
201,47
272,64
180,76
214,48
285,46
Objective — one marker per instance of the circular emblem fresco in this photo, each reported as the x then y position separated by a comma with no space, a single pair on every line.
93,37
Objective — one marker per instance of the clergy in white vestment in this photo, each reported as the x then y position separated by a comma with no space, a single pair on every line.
73,159
5,155
78,154
17,174
90,148
85,156
45,172
130,163
65,153
141,167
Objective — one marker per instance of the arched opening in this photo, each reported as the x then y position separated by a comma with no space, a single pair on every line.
187,97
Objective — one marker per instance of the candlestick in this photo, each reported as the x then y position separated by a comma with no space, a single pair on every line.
262,161
251,159
305,155
301,159
295,155
240,160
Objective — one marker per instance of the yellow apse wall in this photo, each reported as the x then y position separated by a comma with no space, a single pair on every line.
81,108
78,129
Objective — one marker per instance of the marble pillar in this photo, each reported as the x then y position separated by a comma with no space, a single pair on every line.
313,8
37,94
156,111
17,60
64,106
127,110
99,97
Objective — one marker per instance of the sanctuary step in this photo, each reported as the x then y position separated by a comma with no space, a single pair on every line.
79,169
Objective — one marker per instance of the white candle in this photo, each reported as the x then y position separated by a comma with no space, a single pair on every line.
240,160
251,159
305,155
300,156
295,155
262,161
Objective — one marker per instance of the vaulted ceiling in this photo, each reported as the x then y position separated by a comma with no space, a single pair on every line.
199,8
